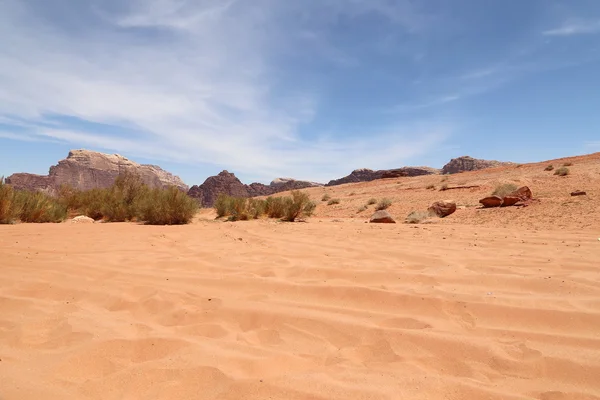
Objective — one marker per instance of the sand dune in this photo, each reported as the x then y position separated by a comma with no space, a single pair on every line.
318,310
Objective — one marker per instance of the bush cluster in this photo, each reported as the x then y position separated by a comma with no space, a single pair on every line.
128,199
504,189
562,171
289,208
28,206
383,204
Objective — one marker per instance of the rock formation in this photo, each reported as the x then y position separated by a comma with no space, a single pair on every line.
466,163
408,172
84,170
228,183
358,175
367,175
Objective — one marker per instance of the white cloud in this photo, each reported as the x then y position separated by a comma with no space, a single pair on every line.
575,27
190,81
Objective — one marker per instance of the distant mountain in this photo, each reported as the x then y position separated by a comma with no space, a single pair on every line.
85,169
367,175
467,163
227,183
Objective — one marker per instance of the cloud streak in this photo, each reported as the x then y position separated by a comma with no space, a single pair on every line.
187,81
575,27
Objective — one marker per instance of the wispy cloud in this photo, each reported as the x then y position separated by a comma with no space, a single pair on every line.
575,27
189,81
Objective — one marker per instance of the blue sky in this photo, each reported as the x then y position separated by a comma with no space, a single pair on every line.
309,89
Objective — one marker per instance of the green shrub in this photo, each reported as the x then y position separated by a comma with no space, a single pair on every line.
333,201
297,206
361,209
255,208
168,206
562,171
549,168
504,189
371,201
8,212
124,198
223,205
383,204
238,210
325,197
275,207
38,207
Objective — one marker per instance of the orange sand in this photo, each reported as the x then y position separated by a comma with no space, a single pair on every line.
317,310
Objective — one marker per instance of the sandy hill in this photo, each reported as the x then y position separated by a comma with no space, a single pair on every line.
556,207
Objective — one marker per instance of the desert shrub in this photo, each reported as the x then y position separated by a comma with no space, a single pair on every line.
504,189
429,187
124,198
383,204
444,179
562,171
333,201
416,217
371,201
297,206
325,197
222,205
361,209
549,168
352,194
38,207
274,207
444,187
255,208
168,206
567,164
8,211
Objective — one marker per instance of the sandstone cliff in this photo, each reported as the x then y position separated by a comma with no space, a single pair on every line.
367,175
84,170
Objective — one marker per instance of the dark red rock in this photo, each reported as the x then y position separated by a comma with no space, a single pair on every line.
523,193
491,201
508,201
358,175
442,208
578,193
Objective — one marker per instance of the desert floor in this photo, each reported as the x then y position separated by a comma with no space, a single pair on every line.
319,310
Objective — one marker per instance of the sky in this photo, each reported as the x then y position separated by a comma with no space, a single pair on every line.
309,89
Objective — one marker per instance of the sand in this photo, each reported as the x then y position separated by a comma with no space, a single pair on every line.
317,310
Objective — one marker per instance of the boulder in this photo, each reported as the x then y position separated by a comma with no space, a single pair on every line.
466,163
491,201
382,217
523,193
84,170
578,193
508,201
442,208
82,219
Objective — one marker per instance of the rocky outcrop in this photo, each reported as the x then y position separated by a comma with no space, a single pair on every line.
408,172
84,170
367,175
522,195
578,193
382,217
227,183
358,175
442,208
466,163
